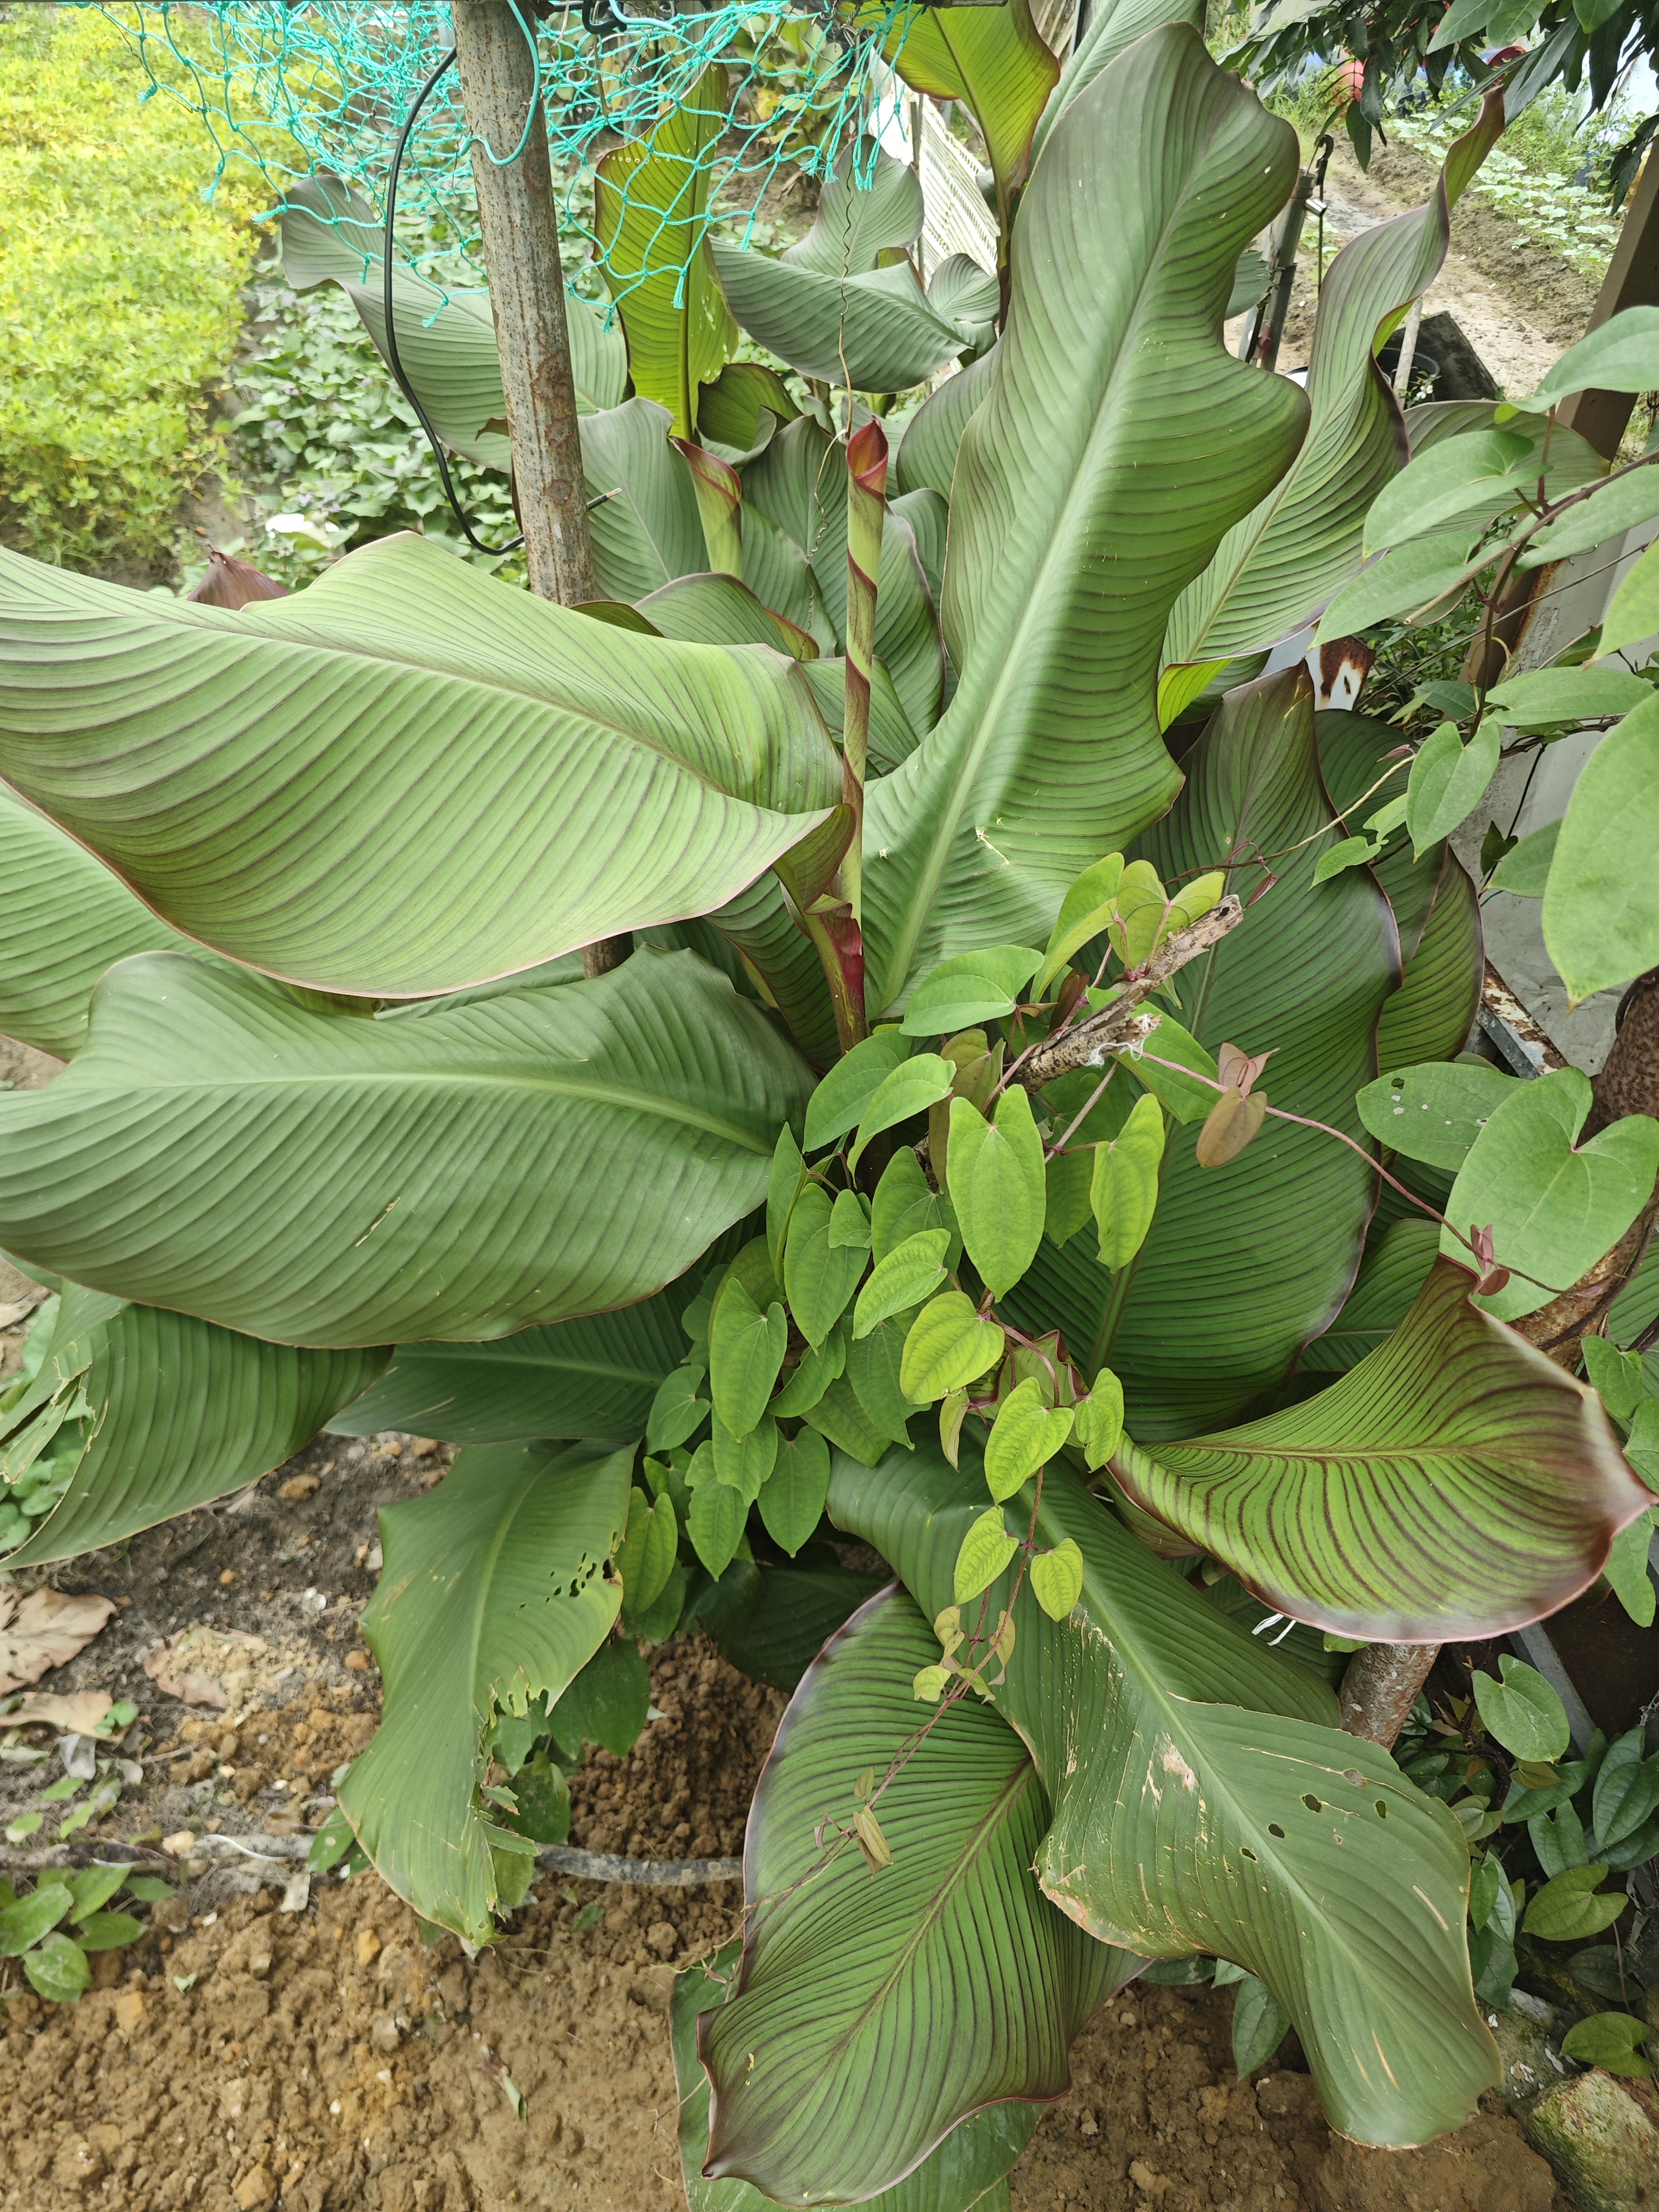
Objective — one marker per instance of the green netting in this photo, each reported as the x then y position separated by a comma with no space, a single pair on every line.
293,89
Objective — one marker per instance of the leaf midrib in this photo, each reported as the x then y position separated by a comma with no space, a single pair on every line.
644,1103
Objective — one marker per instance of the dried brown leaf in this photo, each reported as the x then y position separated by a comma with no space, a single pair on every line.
43,1629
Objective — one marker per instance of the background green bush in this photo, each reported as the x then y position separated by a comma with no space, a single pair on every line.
120,304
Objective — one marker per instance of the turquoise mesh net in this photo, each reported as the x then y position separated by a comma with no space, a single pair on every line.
293,89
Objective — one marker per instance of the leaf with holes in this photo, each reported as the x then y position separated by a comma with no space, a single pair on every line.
842,1970
492,1593
1205,1801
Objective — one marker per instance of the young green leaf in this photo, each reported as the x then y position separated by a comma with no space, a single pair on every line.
745,1354
818,1369
1025,1437
107,1931
26,1922
646,1558
974,987
839,1416
715,1525
1142,904
1626,1569
783,1188
57,1969
1642,1444
92,1890
949,1346
1601,903
985,1551
1187,1099
1521,1710
1565,695
839,1100
905,1204
1260,2025
997,1187
909,1273
1633,612
1123,1189
953,1412
1407,579
1084,913
1057,1579
743,1463
1099,1425
1067,1178
1626,1789
1190,902
1475,470
818,1278
874,1365
912,1088
1347,852
1524,870
676,1411
1434,1113
792,1504
1567,1910
1555,1208
1448,780
849,1222
1610,2040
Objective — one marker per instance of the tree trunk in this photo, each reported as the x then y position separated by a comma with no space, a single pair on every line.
1380,1688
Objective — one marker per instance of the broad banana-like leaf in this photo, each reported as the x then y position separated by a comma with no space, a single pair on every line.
1278,567
874,331
775,951
893,736
493,1593
908,640
717,610
651,213
994,59
177,1412
1231,1281
544,780
1059,579
928,450
859,221
1396,1262
648,531
445,336
968,296
1455,1483
523,1159
68,918
1205,1800
969,2167
742,408
1112,27
1436,905
893,2005
593,1378
928,514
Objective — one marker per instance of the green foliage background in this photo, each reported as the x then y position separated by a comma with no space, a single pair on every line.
119,297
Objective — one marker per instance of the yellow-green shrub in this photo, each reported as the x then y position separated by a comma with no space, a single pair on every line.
118,295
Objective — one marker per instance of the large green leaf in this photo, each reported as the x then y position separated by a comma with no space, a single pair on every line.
446,335
994,60
592,1377
179,1412
1204,1799
1601,903
492,1593
648,531
1244,1263
221,1146
1278,566
967,2168
1455,1483
544,780
1554,1206
1436,905
870,204
1112,27
891,2005
1390,1276
68,918
651,212
927,451
1059,578
873,332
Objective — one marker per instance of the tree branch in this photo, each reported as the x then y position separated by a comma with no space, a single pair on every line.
1087,1044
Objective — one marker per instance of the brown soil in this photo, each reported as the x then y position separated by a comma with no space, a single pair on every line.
1519,306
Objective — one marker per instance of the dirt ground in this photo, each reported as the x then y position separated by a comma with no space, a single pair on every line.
1518,306
242,2057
